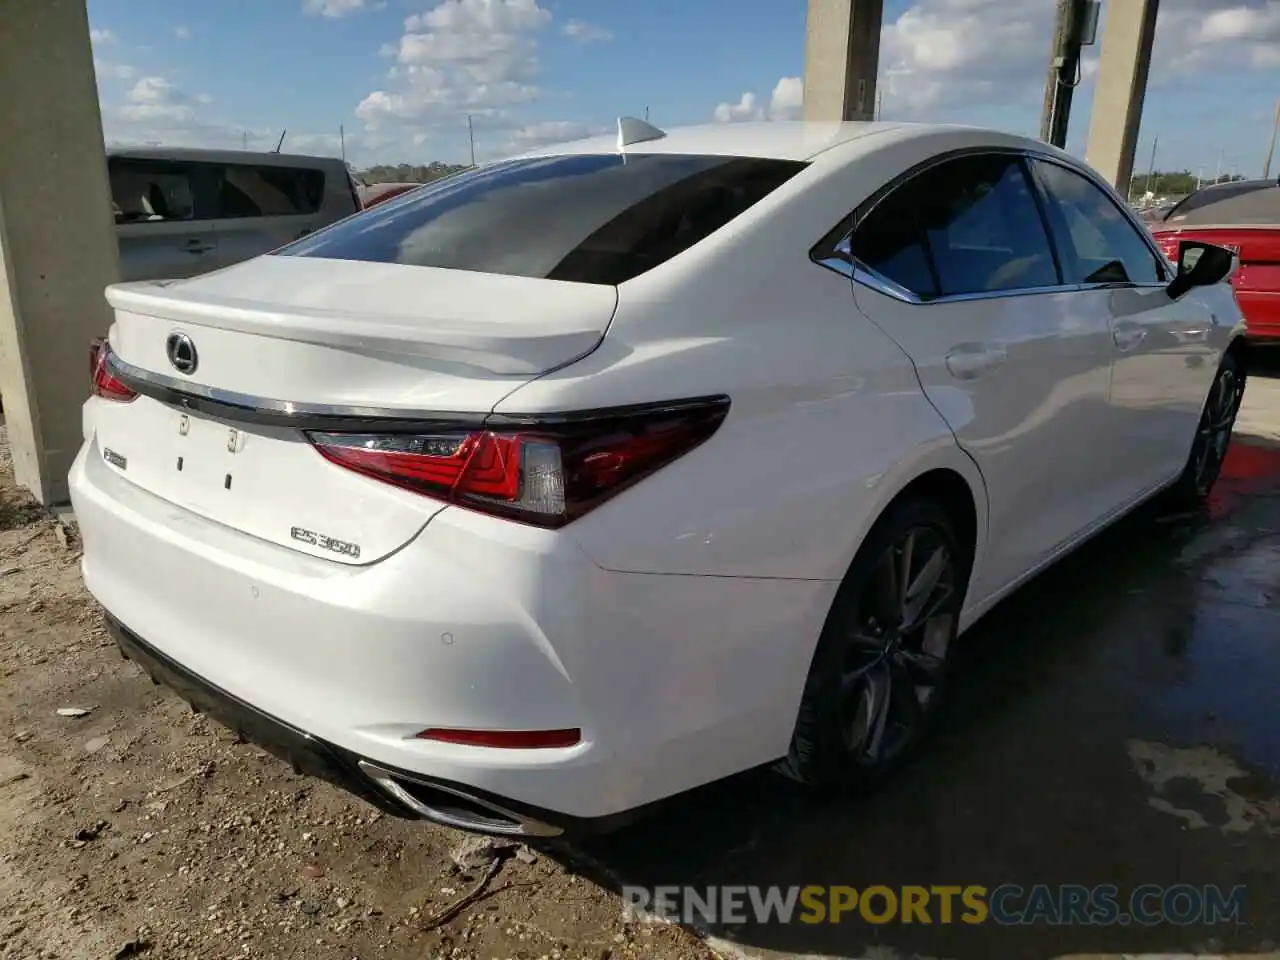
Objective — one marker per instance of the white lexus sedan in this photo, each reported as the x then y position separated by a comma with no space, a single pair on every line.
558,488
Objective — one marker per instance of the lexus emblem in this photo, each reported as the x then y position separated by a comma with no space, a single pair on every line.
182,353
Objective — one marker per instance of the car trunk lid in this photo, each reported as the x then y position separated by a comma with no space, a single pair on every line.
282,343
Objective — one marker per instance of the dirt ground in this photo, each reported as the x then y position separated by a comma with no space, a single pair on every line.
136,828
142,829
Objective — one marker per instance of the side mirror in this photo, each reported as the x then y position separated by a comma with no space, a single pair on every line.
1200,264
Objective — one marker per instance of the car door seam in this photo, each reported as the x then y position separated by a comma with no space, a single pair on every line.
915,372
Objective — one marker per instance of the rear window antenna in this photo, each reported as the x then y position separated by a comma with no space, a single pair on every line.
632,130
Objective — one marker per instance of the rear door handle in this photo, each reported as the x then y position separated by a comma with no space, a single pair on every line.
972,360
196,245
1128,335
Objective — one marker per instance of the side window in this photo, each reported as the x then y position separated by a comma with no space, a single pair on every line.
151,190
244,190
969,225
890,242
1103,246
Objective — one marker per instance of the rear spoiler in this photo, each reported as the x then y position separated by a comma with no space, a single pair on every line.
509,347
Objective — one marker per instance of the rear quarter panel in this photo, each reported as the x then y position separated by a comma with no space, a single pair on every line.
827,423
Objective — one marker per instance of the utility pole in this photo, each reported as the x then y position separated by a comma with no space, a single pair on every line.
471,136
1151,171
342,140
1077,26
1217,173
1271,151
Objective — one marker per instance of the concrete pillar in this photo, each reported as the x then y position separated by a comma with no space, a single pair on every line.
57,235
841,59
1121,88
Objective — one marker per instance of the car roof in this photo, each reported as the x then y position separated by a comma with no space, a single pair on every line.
767,139
1236,202
261,157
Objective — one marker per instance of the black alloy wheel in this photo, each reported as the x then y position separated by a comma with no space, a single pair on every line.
1213,435
882,661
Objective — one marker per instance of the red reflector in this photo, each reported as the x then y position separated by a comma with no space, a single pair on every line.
541,472
508,739
103,384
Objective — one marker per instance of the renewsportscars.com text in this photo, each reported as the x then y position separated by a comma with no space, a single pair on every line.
1007,904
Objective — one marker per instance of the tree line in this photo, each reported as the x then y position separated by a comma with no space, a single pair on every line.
1171,183
408,172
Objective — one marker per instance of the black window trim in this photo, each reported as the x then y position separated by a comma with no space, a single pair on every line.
834,251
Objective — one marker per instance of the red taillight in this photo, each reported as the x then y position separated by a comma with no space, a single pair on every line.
541,472
508,739
103,383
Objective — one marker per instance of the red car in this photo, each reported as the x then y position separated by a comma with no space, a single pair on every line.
1245,217
377,193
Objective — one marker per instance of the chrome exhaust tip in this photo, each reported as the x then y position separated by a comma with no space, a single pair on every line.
454,808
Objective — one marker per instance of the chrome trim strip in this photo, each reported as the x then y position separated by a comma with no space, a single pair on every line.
518,825
869,278
243,408
236,407
859,272
135,376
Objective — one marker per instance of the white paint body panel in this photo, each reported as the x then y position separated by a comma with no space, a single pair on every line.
675,623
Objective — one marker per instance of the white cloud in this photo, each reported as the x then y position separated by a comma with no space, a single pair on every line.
785,103
156,99
333,9
458,57
947,56
940,54
545,132
1215,34
110,70
585,32
182,32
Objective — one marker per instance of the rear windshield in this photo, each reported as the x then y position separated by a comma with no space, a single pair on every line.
1251,201
591,219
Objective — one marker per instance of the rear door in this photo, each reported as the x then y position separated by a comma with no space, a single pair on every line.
956,264
261,207
161,219
1165,350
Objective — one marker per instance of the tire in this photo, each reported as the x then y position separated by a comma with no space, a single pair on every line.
1213,436
864,654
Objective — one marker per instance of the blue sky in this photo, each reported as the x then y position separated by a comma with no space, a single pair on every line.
401,76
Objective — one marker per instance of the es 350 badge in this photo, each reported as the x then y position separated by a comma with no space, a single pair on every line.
351,550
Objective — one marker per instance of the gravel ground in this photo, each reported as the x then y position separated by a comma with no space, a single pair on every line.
136,828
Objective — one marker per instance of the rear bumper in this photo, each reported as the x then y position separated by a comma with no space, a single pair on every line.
674,681
401,793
